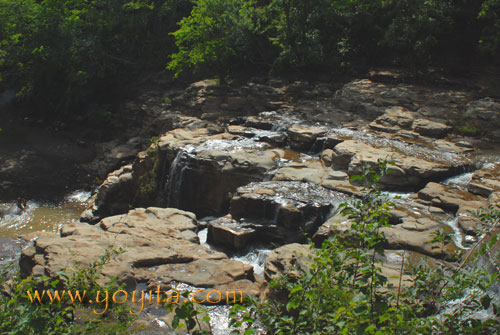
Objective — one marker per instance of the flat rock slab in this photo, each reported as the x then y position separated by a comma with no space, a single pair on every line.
409,172
450,198
152,238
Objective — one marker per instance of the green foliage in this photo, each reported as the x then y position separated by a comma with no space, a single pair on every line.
213,36
19,315
189,316
336,35
148,182
66,58
345,292
468,130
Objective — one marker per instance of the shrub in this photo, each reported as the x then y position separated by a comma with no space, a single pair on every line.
345,291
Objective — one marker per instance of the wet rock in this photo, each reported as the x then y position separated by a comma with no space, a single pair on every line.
302,138
191,170
10,249
231,234
469,223
259,123
156,242
293,210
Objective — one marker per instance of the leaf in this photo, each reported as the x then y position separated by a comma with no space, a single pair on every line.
296,289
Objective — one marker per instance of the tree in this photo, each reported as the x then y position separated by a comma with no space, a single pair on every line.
214,37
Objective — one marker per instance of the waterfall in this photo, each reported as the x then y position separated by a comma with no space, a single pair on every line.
175,177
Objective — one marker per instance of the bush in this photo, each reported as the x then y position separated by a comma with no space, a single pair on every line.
345,291
20,313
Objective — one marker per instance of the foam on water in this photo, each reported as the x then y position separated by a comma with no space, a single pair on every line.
229,146
41,216
459,181
256,258
457,233
78,196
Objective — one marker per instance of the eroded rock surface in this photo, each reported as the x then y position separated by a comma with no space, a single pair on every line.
156,242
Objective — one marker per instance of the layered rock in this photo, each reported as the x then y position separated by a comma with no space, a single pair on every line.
485,181
190,169
409,171
302,138
369,98
157,243
232,234
450,198
317,172
295,259
393,120
283,211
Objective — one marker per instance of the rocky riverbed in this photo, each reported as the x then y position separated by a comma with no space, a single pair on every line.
264,166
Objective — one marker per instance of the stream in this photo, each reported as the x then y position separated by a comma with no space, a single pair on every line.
41,216
51,216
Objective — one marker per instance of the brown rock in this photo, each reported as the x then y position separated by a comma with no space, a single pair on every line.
431,129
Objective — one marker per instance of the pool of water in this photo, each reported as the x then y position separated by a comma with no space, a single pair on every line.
41,216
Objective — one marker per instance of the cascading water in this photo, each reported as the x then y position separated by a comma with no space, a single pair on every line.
175,176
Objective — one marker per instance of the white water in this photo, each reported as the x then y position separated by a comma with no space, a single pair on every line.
78,196
458,237
256,258
175,176
41,216
459,181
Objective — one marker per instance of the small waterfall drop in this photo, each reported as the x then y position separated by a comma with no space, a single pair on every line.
175,175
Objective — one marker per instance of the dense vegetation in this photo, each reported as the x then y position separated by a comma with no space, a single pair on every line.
71,58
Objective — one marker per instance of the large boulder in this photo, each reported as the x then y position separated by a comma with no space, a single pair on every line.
288,258
412,229
302,138
409,171
232,234
284,211
393,120
295,259
485,181
189,169
156,242
450,198
431,128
